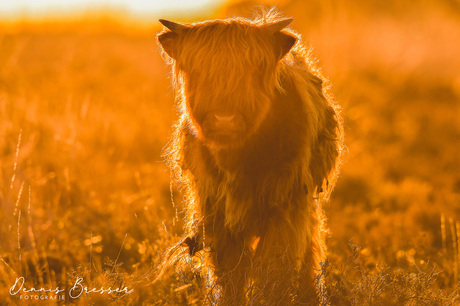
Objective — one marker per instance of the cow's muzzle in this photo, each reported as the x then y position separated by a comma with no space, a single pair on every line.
224,127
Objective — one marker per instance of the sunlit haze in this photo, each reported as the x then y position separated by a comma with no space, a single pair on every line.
34,8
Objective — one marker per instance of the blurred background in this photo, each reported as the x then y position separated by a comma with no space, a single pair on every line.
86,107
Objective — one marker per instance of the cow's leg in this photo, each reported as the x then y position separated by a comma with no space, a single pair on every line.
281,253
230,258
314,256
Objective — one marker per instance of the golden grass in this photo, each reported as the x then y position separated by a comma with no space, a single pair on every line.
86,108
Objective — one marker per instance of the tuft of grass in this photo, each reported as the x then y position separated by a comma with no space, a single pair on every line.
354,283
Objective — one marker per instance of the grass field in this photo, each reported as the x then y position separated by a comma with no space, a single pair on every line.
86,107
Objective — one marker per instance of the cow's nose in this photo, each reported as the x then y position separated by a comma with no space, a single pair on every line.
224,118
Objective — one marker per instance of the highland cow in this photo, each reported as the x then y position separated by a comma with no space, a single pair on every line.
256,148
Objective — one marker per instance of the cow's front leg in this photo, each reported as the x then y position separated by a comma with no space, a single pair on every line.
231,259
280,254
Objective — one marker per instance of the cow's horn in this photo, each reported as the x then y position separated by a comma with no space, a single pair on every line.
173,26
278,25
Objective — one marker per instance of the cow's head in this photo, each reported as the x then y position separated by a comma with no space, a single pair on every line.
228,70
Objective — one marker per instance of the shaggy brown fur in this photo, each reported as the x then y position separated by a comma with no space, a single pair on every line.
256,148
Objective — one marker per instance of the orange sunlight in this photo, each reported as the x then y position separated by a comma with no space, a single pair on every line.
91,211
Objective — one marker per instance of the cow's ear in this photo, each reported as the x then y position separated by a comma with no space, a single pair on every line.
283,43
168,41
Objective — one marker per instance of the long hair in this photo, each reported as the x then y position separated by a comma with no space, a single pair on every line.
203,53
236,65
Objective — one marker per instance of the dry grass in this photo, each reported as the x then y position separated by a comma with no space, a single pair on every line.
86,108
